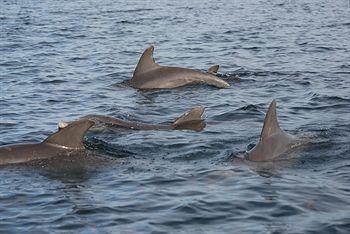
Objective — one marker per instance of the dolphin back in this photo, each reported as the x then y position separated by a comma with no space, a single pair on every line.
273,140
149,75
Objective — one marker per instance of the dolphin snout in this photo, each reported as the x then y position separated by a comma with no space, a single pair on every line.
226,85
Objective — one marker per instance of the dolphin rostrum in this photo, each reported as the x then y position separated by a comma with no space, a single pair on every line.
273,140
66,141
149,75
191,120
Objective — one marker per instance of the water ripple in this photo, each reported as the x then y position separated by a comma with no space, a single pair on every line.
61,60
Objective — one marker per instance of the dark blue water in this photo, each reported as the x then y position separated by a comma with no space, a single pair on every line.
60,60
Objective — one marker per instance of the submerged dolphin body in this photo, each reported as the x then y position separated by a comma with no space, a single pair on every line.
191,120
149,75
64,142
273,140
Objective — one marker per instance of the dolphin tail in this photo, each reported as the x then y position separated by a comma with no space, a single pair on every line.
271,125
72,135
191,120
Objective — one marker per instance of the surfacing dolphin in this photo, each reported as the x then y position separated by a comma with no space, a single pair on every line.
149,75
65,142
273,140
191,120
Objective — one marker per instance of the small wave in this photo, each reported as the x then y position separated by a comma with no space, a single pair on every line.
56,81
325,98
76,59
138,10
7,123
314,48
321,107
249,108
240,113
231,31
126,22
247,72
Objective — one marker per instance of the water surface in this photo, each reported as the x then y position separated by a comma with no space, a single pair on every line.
64,59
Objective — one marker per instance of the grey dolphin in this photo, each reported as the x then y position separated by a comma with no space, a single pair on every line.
273,140
149,75
191,120
64,142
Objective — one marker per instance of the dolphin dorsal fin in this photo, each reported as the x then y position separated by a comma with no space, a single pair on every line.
72,135
192,120
194,114
146,62
213,69
271,125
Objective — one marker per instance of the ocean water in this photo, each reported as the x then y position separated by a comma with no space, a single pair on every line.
60,60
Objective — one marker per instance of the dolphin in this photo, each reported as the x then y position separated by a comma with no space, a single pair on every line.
191,120
149,75
273,140
66,141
